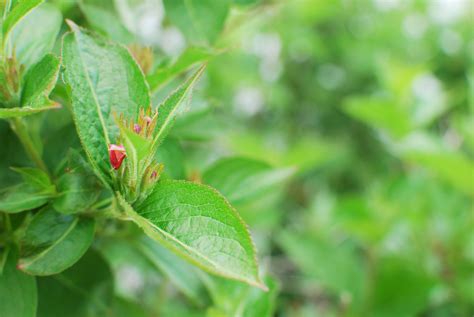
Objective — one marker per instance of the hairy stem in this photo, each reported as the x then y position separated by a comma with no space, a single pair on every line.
21,130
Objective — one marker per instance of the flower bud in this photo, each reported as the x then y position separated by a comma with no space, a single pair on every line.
117,155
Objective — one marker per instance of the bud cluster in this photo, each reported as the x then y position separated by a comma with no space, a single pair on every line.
134,167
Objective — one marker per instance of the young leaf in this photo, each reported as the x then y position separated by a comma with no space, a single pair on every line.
39,82
197,223
18,296
200,20
19,11
53,242
7,113
104,79
31,42
181,274
242,179
169,109
186,60
35,191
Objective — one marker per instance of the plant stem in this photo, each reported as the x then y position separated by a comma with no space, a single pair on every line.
20,129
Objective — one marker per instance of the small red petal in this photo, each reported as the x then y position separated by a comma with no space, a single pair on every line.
117,155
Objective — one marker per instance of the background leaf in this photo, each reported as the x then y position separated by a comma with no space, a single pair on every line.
18,12
242,179
200,20
17,291
31,42
53,242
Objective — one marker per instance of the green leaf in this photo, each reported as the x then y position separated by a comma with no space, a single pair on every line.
200,20
403,288
171,155
185,61
85,289
53,242
170,108
197,223
104,79
379,113
233,298
242,179
77,187
17,291
19,11
180,273
31,42
33,192
102,17
134,274
338,267
39,82
7,113
23,197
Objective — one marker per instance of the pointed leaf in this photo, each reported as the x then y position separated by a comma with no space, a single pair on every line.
169,109
186,60
197,223
19,11
242,179
53,242
104,79
7,113
39,82
35,191
31,42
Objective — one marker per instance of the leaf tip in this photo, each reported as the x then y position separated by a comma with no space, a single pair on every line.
73,26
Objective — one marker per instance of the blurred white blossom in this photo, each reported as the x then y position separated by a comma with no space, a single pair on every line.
248,101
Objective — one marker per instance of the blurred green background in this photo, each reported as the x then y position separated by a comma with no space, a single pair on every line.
364,109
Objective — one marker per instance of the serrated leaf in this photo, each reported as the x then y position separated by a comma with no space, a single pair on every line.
53,242
19,11
242,179
39,82
197,223
186,60
104,79
200,20
18,296
31,42
180,273
169,109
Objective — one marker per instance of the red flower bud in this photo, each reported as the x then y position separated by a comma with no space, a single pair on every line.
116,154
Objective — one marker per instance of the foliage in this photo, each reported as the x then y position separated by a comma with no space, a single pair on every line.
150,148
